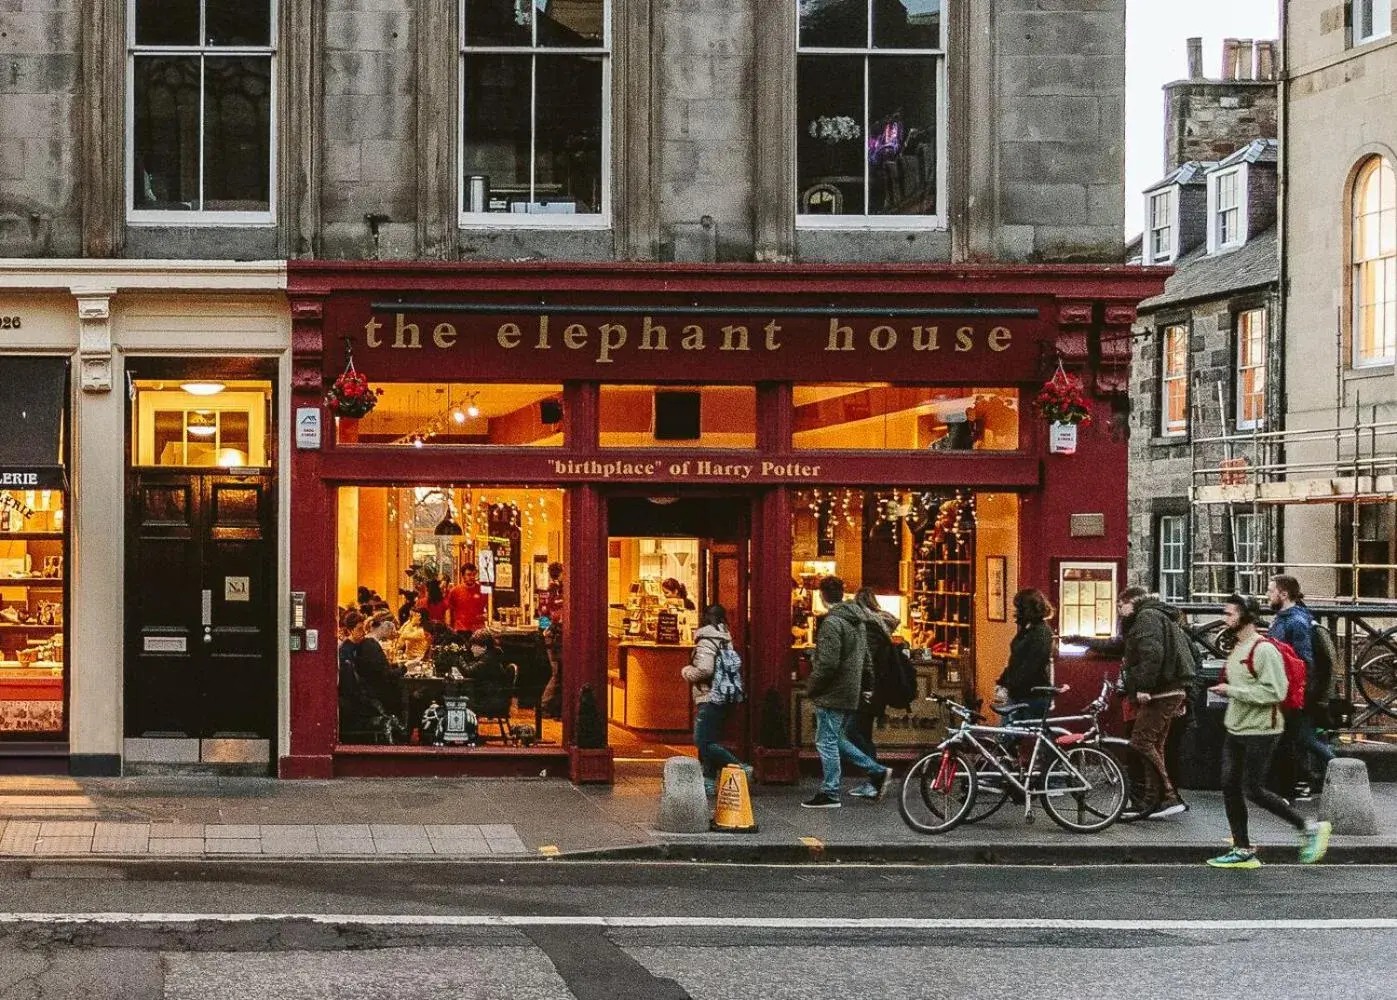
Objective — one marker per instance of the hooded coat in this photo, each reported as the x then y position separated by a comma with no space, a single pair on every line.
841,650
1154,660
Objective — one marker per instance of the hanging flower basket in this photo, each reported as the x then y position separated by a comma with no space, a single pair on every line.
1063,403
351,396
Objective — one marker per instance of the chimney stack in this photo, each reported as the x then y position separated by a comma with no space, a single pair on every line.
1266,60
1245,58
1229,58
1195,58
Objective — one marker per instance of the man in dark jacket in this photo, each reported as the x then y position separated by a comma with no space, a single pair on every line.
841,650
1156,668
1293,624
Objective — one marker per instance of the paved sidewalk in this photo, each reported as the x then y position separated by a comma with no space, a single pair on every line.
162,817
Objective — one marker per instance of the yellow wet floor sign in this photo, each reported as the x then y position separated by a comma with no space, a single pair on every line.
733,812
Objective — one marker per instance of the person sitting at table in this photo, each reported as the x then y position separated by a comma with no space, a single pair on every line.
432,602
490,678
383,680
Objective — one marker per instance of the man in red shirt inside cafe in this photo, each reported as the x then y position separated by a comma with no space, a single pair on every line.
466,603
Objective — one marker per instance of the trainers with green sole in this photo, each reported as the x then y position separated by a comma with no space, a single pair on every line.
1236,858
1314,842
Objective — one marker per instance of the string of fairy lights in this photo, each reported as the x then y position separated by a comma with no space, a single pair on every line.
935,517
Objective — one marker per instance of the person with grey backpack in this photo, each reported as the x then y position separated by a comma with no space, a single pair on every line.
714,673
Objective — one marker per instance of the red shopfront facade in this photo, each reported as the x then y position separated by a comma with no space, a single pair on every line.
755,425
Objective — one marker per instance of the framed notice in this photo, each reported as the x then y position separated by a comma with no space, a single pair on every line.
996,582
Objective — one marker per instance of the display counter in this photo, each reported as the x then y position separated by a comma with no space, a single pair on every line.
645,689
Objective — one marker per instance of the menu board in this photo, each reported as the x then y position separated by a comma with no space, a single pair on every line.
667,627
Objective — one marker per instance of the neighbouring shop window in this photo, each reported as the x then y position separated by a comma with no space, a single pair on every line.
1087,594
1173,378
1246,550
644,416
1251,369
1173,557
870,109
1375,264
202,423
916,550
202,115
444,564
1161,245
881,417
433,414
535,111
1372,19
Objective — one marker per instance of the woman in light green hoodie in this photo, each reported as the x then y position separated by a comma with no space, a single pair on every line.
1255,685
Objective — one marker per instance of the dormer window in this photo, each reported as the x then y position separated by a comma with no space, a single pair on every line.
1372,19
1227,217
1160,248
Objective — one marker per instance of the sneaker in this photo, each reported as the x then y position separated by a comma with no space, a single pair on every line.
1314,842
821,800
867,790
1303,792
883,781
1170,809
1236,858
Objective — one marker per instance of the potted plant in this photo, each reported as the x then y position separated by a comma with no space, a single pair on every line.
1063,403
778,763
351,396
590,759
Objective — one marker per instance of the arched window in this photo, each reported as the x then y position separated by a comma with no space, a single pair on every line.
1375,264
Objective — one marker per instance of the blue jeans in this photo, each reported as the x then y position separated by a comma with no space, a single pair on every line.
1307,742
832,740
708,730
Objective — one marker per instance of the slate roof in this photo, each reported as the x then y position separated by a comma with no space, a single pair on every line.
1256,151
1199,275
1192,172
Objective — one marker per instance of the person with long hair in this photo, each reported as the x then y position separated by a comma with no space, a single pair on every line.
1030,657
879,629
433,602
710,717
1255,685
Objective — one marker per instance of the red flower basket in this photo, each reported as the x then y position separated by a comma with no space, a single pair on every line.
1063,400
351,396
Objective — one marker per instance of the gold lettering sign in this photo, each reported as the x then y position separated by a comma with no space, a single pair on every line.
609,339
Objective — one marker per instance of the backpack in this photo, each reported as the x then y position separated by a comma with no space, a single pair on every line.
726,688
1326,660
1294,673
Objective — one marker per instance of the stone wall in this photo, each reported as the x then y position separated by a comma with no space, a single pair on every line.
1204,118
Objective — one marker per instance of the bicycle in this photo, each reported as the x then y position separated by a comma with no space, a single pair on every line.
1082,788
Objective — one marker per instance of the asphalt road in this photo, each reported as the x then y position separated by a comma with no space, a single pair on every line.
635,932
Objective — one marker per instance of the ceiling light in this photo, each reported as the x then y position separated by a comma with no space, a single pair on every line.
447,525
202,388
417,440
201,423
473,411
459,416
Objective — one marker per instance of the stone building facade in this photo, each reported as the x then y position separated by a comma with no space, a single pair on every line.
1339,239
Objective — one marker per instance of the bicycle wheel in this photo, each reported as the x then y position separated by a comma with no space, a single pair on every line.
938,792
1143,780
1085,792
992,789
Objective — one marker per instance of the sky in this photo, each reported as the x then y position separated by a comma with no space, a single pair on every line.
1156,54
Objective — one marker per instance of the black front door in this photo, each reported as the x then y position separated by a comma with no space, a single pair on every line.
200,605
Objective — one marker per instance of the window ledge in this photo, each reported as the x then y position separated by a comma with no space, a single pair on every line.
865,224
1168,440
1382,369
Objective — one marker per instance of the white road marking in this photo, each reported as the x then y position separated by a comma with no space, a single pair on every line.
751,923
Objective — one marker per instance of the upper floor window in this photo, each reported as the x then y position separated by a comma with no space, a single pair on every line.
535,112
1173,396
1371,19
1227,218
1251,369
1161,241
1375,264
870,112
1246,551
201,118
1173,557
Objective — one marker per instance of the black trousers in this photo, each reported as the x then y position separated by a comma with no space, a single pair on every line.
1245,763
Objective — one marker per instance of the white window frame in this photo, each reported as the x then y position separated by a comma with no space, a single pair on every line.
1358,265
1247,363
941,220
1172,549
1168,384
467,219
1246,552
1216,210
1378,13
1165,221
164,217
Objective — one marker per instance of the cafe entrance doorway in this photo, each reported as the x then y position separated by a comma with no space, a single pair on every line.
669,558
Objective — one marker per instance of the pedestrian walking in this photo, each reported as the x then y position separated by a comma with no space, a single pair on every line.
1293,624
710,716
841,651
879,633
1255,685
1030,658
1156,669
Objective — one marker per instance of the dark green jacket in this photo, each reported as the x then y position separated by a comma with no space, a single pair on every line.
841,648
1147,665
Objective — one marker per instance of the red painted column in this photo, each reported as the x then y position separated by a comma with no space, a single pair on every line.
771,602
314,707
584,627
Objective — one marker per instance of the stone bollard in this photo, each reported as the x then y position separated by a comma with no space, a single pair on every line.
1347,799
683,804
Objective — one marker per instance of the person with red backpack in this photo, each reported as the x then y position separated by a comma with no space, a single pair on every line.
1256,686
